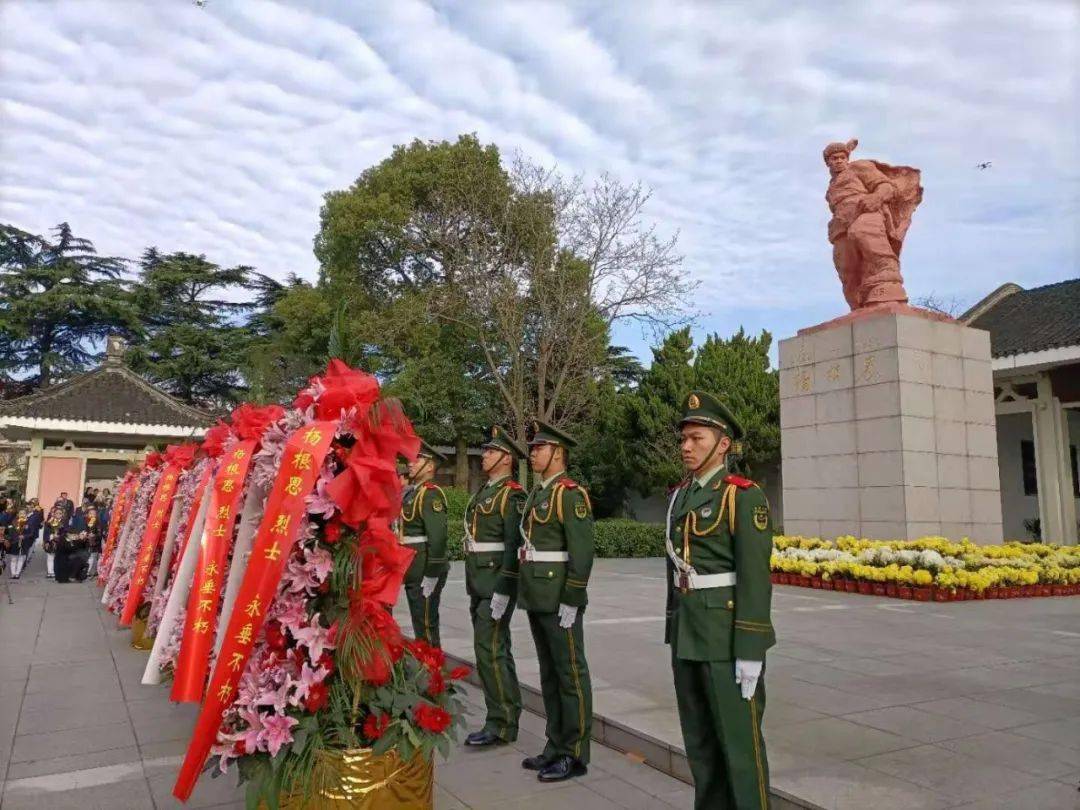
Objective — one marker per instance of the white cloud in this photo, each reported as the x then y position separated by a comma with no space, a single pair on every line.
218,129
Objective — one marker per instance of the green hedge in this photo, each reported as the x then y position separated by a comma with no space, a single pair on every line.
615,537
619,537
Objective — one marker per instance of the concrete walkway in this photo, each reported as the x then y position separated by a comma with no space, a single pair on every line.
77,730
873,702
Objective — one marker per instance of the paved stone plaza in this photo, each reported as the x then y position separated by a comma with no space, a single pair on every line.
78,730
872,702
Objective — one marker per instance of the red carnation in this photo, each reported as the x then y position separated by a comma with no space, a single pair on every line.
375,725
332,532
275,638
153,459
436,683
457,673
317,696
431,718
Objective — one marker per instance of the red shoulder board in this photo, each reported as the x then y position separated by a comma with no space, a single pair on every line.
514,484
739,481
671,490
569,483
430,485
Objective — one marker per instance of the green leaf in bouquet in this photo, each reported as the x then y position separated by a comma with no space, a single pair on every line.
383,744
406,749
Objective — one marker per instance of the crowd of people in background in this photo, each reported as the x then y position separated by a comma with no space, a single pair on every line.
71,537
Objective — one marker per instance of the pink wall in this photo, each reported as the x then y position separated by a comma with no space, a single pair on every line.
60,475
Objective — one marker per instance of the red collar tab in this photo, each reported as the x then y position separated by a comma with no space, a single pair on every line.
739,481
514,484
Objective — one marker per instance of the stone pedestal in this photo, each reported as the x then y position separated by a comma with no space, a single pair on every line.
887,430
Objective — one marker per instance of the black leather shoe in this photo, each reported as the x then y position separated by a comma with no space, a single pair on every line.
482,739
562,768
537,763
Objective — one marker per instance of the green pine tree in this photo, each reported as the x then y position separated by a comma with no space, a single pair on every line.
58,301
737,369
653,411
195,326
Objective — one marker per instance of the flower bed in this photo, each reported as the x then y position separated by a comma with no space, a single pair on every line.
928,569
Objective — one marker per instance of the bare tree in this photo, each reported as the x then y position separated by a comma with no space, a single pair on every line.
541,286
946,305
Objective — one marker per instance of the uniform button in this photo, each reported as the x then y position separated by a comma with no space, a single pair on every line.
551,574
730,604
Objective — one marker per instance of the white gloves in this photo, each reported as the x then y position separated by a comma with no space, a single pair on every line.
427,586
746,675
499,603
567,615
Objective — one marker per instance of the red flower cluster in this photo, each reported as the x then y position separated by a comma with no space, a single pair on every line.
180,454
375,725
431,718
153,460
457,673
216,437
431,657
251,421
343,388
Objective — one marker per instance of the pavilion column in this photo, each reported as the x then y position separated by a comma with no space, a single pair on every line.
1057,510
33,467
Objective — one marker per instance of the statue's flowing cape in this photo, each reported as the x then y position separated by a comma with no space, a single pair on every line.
898,210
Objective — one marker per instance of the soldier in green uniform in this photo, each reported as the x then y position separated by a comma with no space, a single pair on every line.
491,531
551,572
422,527
719,541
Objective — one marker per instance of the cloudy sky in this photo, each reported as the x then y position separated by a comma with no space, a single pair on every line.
218,129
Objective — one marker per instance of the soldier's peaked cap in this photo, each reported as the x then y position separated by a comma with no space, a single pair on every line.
703,408
430,452
543,433
499,440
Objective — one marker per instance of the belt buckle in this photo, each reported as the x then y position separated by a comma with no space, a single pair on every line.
523,554
684,581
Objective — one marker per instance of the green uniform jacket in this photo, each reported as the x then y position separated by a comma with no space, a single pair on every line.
557,517
423,511
721,624
492,516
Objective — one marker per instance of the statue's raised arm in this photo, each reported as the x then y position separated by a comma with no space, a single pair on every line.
871,204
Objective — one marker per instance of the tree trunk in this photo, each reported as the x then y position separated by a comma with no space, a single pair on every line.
461,463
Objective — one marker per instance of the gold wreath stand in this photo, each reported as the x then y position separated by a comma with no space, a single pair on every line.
357,779
139,641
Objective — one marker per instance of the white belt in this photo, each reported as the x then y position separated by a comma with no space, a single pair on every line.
412,540
480,548
532,555
700,582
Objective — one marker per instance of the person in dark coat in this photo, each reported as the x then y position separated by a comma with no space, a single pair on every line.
96,527
56,526
73,552
23,534
67,503
7,517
